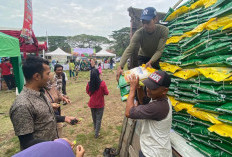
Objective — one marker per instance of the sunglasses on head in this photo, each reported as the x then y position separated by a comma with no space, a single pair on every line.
145,21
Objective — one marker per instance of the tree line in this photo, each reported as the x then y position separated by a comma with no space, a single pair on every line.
118,41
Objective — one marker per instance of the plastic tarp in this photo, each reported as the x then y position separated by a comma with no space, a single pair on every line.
9,47
180,145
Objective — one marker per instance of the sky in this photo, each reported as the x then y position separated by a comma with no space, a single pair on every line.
73,17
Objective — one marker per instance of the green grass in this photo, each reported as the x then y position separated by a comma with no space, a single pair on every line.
95,145
83,133
11,147
110,127
119,128
90,125
71,131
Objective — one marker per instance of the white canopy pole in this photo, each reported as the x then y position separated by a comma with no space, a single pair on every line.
43,54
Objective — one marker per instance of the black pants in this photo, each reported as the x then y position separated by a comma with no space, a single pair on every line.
63,84
97,114
9,79
144,60
141,154
92,67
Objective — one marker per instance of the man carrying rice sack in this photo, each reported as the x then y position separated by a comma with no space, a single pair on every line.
156,116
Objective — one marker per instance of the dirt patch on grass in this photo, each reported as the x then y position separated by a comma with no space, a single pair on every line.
112,118
83,133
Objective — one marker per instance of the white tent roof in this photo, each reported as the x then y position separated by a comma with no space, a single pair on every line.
105,53
57,52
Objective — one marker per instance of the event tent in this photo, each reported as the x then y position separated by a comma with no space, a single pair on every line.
9,47
104,53
58,55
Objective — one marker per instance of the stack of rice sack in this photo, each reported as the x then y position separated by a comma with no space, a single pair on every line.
124,80
198,55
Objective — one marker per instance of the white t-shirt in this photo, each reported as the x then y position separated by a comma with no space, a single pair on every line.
155,136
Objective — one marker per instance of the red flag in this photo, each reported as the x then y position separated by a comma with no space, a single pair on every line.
27,23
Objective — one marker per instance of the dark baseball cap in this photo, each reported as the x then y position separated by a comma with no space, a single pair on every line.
148,14
157,79
4,59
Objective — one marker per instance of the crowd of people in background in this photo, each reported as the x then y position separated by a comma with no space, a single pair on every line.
36,113
76,65
38,122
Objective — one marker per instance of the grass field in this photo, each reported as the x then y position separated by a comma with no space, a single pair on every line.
83,133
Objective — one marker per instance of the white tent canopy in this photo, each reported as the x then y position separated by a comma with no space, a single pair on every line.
57,52
104,53
58,55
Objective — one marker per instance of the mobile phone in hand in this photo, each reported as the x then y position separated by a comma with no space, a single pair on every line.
74,121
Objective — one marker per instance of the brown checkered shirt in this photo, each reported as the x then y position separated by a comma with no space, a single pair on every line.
32,113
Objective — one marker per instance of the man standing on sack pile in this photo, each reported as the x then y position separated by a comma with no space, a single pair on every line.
150,40
156,115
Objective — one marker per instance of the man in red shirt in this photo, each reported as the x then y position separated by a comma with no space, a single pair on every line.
5,69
